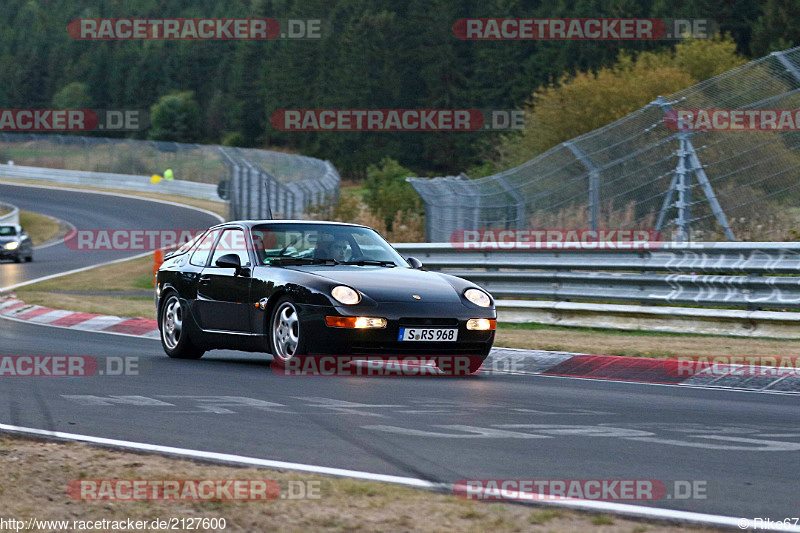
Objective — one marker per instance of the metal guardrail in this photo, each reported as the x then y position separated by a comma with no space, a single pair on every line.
126,182
12,217
735,274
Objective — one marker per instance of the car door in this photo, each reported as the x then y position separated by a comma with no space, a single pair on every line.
223,295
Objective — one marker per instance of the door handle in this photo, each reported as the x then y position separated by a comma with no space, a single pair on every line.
205,279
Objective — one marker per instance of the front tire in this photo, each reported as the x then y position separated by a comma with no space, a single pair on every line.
174,335
286,333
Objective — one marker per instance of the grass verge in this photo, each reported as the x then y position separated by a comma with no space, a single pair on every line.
128,306
40,228
97,290
37,474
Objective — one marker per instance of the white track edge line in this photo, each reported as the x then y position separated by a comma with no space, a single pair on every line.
588,505
223,457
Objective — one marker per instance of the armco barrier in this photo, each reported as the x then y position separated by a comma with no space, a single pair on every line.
126,182
720,274
11,217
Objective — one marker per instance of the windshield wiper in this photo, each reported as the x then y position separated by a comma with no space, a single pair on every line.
294,261
370,262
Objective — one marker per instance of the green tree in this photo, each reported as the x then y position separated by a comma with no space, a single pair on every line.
176,117
388,192
777,28
585,102
73,96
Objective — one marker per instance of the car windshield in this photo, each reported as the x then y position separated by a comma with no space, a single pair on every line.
323,244
8,231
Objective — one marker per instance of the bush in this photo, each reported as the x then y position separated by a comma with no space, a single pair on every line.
175,118
388,192
234,138
73,96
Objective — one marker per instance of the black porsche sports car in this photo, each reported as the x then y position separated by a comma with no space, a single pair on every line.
298,288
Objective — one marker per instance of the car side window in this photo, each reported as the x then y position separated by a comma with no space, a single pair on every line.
203,249
232,242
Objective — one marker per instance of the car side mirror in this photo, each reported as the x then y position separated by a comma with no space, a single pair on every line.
229,261
414,262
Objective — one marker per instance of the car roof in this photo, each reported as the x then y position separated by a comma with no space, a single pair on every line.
251,223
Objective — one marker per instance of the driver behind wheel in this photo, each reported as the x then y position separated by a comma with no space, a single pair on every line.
328,247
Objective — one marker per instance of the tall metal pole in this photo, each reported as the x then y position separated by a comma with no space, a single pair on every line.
594,183
688,165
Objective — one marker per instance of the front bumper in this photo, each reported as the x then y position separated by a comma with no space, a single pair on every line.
322,339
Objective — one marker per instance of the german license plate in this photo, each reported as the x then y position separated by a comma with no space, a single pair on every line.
428,334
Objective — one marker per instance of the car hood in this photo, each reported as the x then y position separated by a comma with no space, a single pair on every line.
392,284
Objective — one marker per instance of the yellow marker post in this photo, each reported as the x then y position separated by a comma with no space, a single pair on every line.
155,179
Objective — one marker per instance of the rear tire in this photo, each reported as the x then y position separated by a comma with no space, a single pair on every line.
174,336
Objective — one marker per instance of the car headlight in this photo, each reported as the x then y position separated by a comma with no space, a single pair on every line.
345,295
12,245
478,297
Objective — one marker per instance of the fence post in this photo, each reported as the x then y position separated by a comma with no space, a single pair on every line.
594,182
688,165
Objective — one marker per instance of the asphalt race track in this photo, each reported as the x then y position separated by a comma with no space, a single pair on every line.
89,211
743,447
